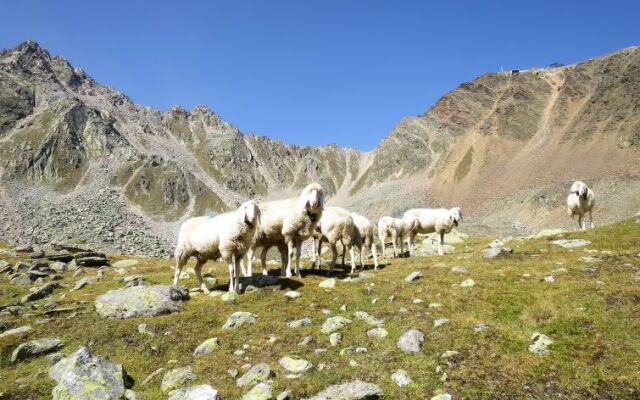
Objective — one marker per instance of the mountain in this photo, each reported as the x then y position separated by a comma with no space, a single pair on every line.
80,162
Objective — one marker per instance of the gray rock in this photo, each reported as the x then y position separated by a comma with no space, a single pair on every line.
58,266
413,276
335,338
256,374
306,341
36,348
571,243
292,294
411,341
261,391
539,343
459,269
21,280
207,347
5,326
441,321
40,293
238,319
443,396
369,319
141,301
355,390
125,264
85,376
480,327
334,324
493,252
590,259
146,329
299,322
286,395
230,297
199,392
401,378
377,333
151,376
468,283
328,283
54,357
295,365
15,331
177,377
84,282
131,395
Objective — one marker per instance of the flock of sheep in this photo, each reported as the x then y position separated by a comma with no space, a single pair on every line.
286,224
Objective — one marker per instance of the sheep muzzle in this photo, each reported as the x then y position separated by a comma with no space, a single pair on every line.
312,216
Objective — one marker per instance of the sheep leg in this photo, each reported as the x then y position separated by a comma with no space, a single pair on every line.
231,271
314,254
334,256
441,244
375,255
179,264
394,240
384,252
591,220
290,253
249,271
401,245
353,259
298,252
581,221
236,272
241,264
263,260
283,256
363,253
410,240
198,270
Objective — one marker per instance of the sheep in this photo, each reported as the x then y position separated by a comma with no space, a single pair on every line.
394,228
581,200
364,237
287,223
426,220
227,235
336,225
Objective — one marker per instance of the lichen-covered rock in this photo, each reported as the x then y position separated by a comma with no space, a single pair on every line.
328,283
377,333
571,243
368,318
256,374
177,377
238,319
207,347
230,297
300,322
85,376
493,252
411,341
198,392
140,301
295,365
356,390
41,292
334,323
468,283
539,343
261,391
36,348
401,378
413,276
335,338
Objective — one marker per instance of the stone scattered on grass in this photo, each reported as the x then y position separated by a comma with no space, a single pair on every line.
177,377
413,276
15,331
539,343
207,347
328,283
295,365
36,348
377,333
261,391
468,283
230,297
443,396
292,294
549,279
459,269
256,374
300,322
199,392
411,341
40,293
335,338
480,327
571,243
590,259
355,390
401,378
439,322
125,264
238,319
145,329
334,324
493,252
140,301
369,319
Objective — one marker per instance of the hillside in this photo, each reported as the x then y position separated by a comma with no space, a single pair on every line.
82,163
477,335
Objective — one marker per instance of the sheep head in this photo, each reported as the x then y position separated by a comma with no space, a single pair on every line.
251,213
455,215
312,199
580,189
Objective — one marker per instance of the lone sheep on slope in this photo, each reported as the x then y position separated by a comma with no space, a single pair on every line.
580,201
226,235
394,228
288,223
426,220
335,225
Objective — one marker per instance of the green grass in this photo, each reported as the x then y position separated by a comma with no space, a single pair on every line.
595,326
464,166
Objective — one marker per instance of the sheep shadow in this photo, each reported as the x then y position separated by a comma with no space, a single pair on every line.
260,281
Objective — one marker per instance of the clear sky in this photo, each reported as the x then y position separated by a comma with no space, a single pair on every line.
313,72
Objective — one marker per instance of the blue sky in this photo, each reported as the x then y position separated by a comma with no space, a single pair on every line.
313,72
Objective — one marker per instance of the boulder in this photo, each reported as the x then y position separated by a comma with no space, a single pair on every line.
411,341
207,347
256,374
413,276
177,377
85,376
199,392
41,292
539,343
238,319
334,323
401,378
140,301
295,365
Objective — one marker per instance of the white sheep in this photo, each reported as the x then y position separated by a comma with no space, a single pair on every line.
227,235
580,201
394,228
430,220
336,225
287,223
364,239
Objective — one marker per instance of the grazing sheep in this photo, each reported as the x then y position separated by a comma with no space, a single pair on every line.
336,225
394,228
364,238
426,220
287,223
580,201
227,235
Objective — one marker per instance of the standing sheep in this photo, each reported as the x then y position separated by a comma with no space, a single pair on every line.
580,201
287,223
394,228
426,220
226,235
336,225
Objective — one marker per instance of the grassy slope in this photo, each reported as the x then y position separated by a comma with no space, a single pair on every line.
595,326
